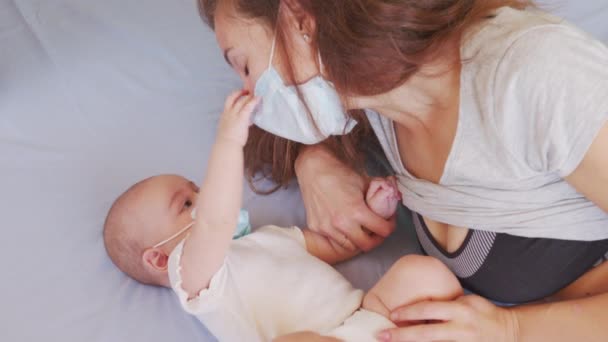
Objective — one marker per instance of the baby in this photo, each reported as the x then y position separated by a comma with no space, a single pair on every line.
273,283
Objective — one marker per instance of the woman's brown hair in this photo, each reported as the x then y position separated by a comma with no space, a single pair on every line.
368,47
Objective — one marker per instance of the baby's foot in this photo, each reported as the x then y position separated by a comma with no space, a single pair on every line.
383,196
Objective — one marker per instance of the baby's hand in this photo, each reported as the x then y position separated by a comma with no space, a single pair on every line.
236,119
383,196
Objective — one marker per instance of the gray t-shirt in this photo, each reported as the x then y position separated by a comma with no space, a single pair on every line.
534,95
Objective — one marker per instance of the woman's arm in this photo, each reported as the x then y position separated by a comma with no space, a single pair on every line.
591,177
592,283
334,199
575,320
583,319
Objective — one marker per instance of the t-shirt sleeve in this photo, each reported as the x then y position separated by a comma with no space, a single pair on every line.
551,97
215,305
208,299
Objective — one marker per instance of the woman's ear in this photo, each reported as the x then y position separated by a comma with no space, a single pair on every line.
297,48
155,260
298,18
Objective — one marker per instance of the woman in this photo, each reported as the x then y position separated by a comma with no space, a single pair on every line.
492,115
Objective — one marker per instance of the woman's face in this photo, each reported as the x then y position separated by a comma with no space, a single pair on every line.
247,43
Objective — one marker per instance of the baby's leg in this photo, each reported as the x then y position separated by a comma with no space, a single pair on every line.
412,279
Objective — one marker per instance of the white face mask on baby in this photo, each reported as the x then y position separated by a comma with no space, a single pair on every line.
243,227
282,112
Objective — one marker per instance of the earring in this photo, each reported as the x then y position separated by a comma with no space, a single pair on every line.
306,37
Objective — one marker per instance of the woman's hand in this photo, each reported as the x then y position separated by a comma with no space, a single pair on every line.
305,336
466,319
236,119
334,199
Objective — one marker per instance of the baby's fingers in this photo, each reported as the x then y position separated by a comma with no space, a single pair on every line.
232,99
249,108
240,103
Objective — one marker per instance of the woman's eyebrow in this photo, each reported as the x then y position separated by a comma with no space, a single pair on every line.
226,52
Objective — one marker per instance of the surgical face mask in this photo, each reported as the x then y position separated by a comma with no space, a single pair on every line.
243,227
282,112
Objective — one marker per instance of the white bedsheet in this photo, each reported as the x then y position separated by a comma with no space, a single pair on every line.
95,95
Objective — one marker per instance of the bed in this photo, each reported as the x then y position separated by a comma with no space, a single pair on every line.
95,95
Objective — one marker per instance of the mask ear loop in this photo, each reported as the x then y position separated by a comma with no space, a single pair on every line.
173,236
274,43
193,215
321,66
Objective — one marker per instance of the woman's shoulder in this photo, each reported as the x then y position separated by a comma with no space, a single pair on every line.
537,61
520,57
528,63
518,69
512,32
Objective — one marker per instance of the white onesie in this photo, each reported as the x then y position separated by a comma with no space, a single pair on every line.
270,286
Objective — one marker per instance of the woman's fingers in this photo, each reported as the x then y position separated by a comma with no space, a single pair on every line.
341,239
363,240
344,244
352,236
435,332
429,311
444,314
354,225
467,319
374,223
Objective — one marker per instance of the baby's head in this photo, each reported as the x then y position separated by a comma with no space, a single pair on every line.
147,214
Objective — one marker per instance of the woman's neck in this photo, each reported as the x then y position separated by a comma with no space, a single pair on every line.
423,100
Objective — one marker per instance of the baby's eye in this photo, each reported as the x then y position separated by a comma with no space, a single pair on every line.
246,70
187,204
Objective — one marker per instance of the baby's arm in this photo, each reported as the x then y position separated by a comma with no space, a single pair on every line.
219,199
382,197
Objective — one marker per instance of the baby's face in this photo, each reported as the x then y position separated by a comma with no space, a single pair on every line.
164,207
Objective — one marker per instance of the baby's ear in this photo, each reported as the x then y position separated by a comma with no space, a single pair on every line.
155,260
